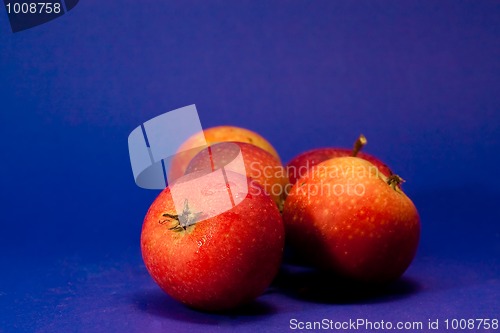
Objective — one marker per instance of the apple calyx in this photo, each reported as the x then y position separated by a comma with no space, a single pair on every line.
184,220
393,181
281,205
358,145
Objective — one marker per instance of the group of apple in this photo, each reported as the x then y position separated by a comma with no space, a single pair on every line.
342,210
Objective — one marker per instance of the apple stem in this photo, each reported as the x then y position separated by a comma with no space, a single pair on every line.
171,218
394,180
182,221
358,145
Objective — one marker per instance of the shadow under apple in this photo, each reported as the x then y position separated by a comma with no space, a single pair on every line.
157,303
309,284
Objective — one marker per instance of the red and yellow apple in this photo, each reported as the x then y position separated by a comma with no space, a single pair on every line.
207,256
348,217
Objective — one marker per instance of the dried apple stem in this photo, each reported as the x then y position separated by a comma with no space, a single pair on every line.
182,221
394,181
358,145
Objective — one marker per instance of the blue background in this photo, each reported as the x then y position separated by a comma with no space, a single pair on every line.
421,79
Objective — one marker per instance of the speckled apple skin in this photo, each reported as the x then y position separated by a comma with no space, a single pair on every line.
213,135
371,237
219,263
260,165
313,157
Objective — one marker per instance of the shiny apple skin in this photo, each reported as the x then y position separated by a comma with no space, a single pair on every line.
303,162
371,237
214,135
221,262
260,165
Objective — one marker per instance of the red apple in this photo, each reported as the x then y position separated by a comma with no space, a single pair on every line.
260,165
301,164
210,256
349,218
213,135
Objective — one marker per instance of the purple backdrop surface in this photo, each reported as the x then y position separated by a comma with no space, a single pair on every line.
421,79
